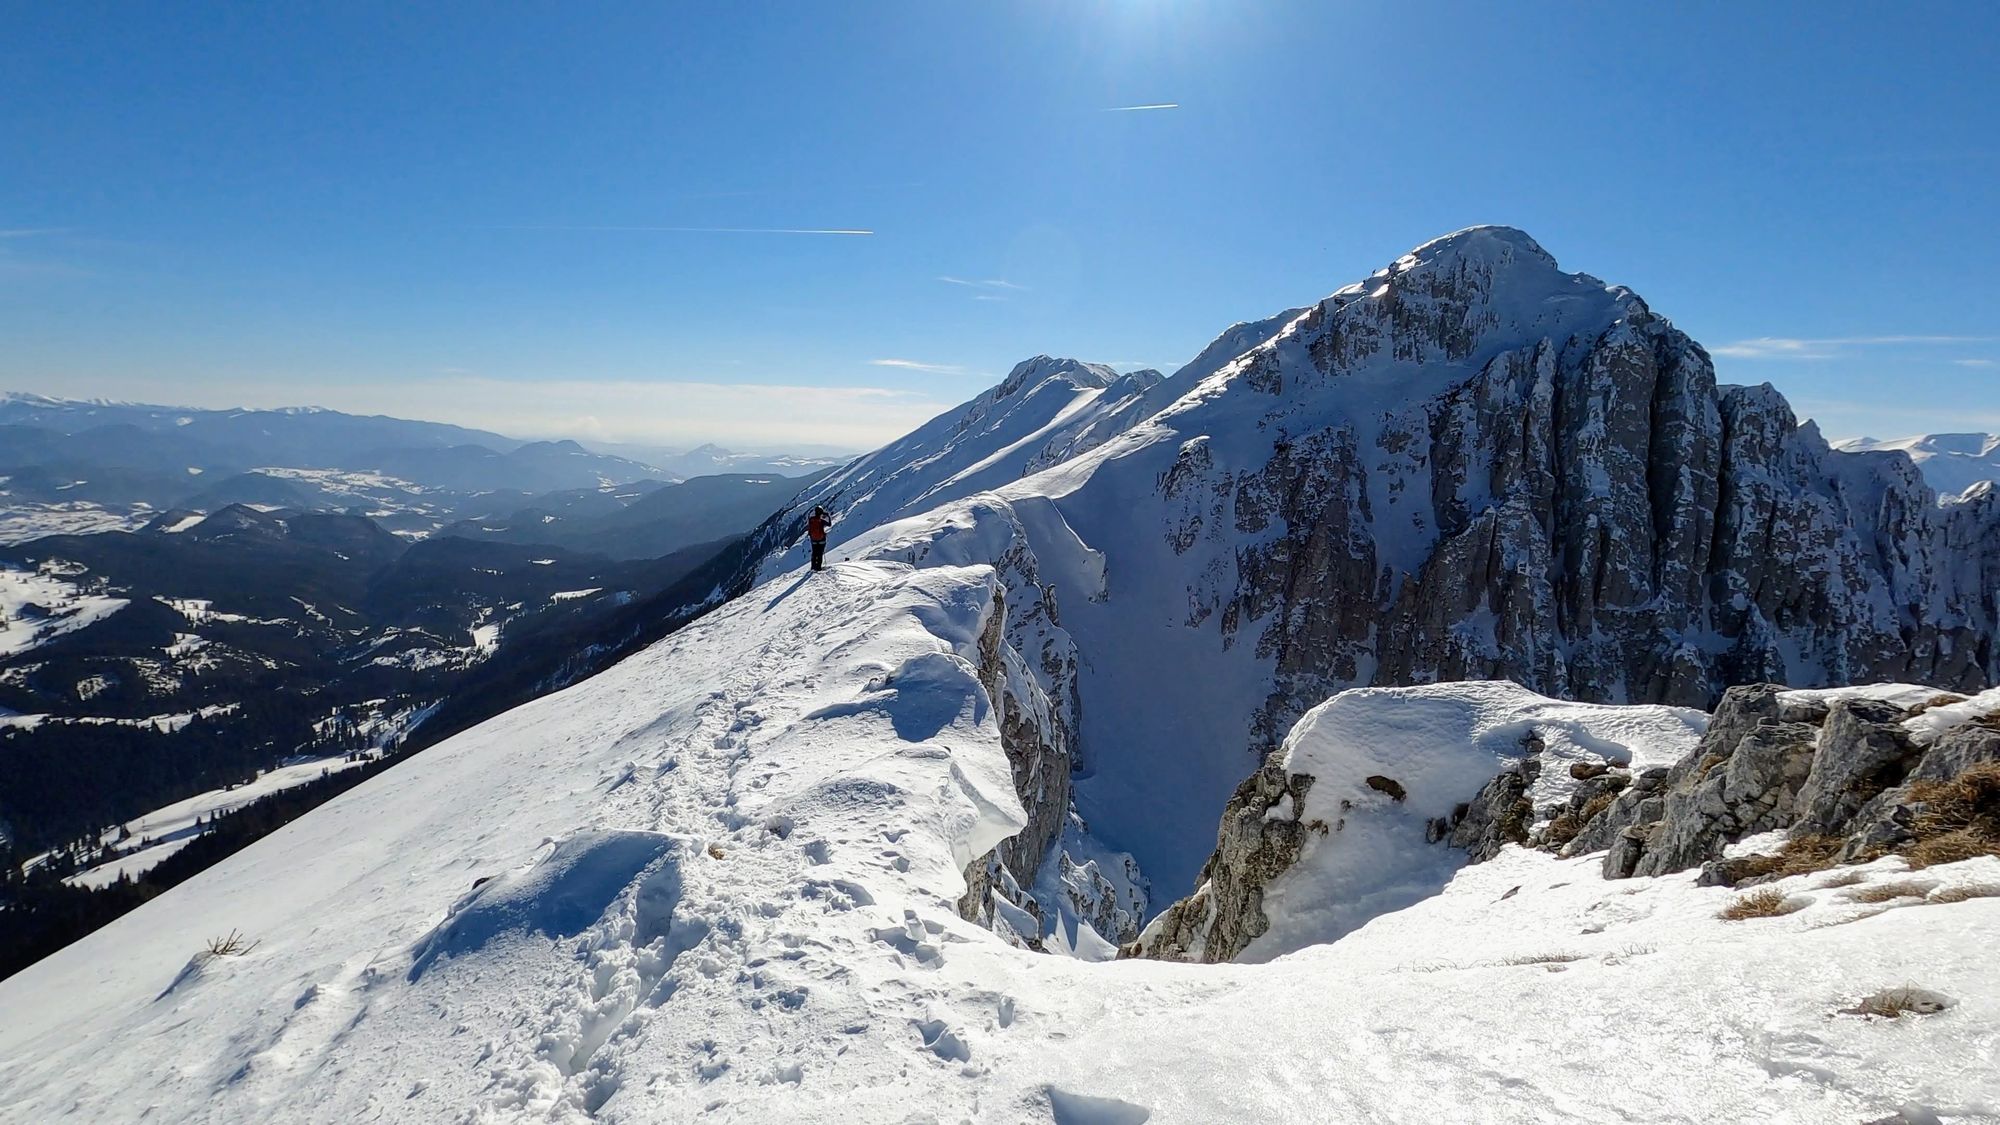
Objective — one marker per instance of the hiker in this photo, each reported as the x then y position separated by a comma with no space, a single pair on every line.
816,531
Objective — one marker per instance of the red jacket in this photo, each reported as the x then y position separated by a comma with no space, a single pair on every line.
816,528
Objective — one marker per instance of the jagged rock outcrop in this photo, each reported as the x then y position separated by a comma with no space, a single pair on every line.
1501,814
1477,466
1364,809
1028,664
1841,774
1470,465
1226,911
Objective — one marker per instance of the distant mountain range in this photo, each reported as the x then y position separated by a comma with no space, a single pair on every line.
1951,463
190,596
74,467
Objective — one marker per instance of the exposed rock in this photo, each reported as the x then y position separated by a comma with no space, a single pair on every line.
1259,839
1862,752
1627,849
1957,750
1638,805
1500,815
1094,900
1388,785
1841,775
1892,1003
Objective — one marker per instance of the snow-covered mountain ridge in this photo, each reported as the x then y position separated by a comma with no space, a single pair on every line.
791,862
1470,465
1951,463
725,881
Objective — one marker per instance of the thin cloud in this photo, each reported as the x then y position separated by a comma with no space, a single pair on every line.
856,231
982,283
1977,362
918,365
1141,108
32,232
1792,347
987,297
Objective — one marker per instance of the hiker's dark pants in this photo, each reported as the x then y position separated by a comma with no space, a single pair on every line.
819,552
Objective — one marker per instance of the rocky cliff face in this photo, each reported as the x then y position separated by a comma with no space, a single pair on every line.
1779,782
1845,779
1587,514
1027,663
1471,465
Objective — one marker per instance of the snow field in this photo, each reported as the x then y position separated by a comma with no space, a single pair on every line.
718,883
63,609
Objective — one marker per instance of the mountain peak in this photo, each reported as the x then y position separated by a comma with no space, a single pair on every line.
1037,370
1497,244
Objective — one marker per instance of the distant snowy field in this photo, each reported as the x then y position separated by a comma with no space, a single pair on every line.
718,883
38,606
21,521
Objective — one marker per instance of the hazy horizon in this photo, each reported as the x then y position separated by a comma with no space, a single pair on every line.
826,224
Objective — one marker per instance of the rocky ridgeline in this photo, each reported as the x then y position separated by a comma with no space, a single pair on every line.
1470,465
1845,778
1599,519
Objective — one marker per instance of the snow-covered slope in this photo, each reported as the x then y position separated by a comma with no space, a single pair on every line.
1045,411
791,863
1474,465
722,882
1951,463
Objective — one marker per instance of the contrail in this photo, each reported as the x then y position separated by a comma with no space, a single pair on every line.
1137,108
706,230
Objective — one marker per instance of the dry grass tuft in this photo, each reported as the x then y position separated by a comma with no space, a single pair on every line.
1802,856
1569,824
231,945
1966,892
1952,847
1543,959
1960,819
1843,879
1944,699
1764,902
1596,805
1890,891
1893,1003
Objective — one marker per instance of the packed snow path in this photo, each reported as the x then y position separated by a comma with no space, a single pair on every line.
718,882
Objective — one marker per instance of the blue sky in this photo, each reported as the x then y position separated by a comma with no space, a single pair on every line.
436,212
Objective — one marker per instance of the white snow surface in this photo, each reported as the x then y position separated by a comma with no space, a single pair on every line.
717,883
1950,463
1929,726
1440,744
1045,410
1898,695
60,607
21,522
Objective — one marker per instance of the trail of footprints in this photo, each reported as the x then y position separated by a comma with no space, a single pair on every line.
680,932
